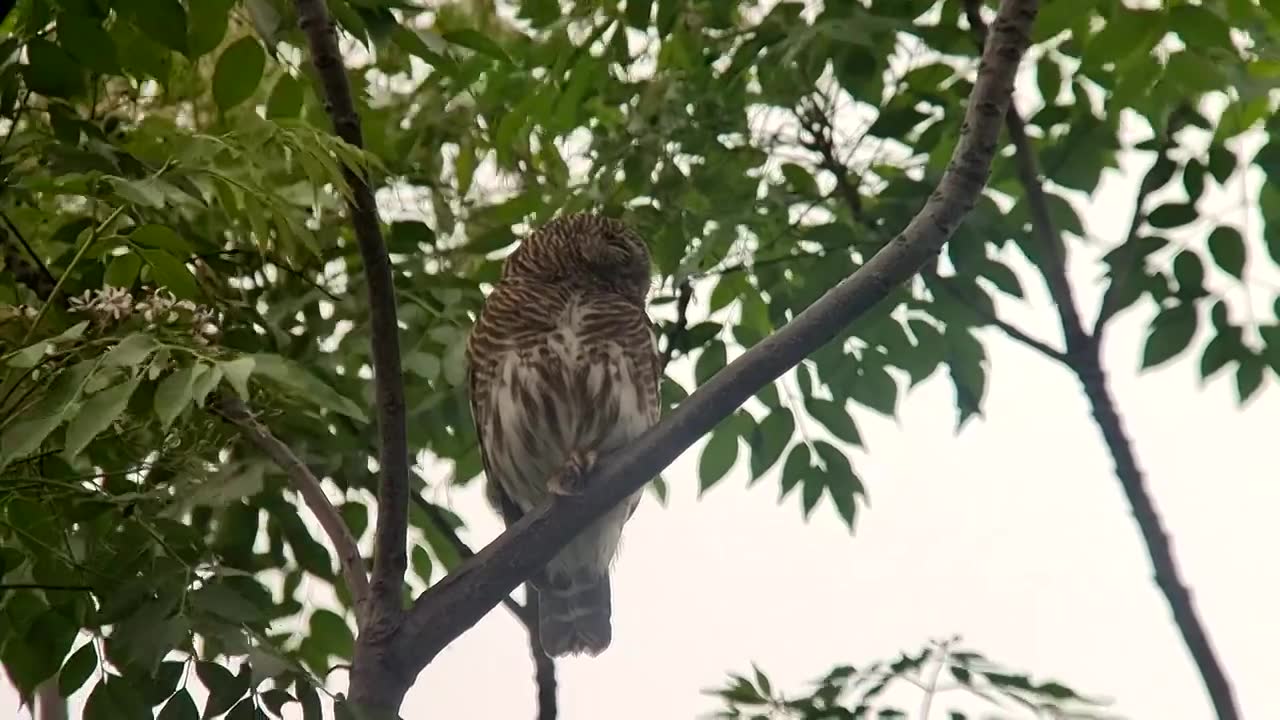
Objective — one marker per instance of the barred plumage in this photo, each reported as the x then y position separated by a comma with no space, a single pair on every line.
563,369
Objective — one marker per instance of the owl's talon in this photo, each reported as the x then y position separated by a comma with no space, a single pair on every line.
569,481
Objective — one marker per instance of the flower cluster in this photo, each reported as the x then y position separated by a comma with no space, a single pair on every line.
158,308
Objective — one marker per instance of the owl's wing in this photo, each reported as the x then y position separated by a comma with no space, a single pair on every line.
483,345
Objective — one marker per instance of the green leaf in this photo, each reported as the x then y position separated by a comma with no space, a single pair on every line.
718,456
1249,376
77,669
130,351
84,39
225,689
1172,215
422,564
237,373
206,380
173,395
811,491
835,417
333,634
795,469
160,237
113,699
285,100
1170,334
123,271
163,21
97,414
292,375
475,41
408,237
842,483
1226,245
244,710
51,71
179,707
875,388
309,699
209,20
238,72
769,439
710,361
223,601
171,273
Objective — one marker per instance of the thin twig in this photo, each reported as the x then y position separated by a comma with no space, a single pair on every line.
390,557
544,667
1008,329
75,259
456,603
233,410
17,234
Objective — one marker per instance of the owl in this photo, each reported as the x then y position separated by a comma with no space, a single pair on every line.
563,369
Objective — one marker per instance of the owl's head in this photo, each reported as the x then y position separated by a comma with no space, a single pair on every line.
585,249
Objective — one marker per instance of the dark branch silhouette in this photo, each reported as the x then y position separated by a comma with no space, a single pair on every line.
1084,358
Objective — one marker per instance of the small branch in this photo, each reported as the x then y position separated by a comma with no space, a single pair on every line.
44,269
544,668
390,557
455,604
1055,272
1011,330
308,486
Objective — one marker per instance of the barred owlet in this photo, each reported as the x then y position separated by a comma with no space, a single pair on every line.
564,369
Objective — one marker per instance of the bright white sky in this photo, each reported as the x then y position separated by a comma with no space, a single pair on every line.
1014,535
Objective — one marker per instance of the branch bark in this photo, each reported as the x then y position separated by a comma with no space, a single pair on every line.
308,486
1084,358
452,606
389,554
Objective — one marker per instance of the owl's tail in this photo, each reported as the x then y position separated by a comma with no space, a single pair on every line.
574,617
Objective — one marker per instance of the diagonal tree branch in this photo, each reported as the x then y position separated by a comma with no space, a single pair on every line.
234,411
452,606
1084,357
389,553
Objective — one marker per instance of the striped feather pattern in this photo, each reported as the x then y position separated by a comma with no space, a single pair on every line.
562,360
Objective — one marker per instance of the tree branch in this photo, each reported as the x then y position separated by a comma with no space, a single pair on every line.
308,486
389,554
1084,358
544,667
455,604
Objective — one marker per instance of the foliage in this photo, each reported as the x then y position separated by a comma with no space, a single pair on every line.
941,668
170,165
